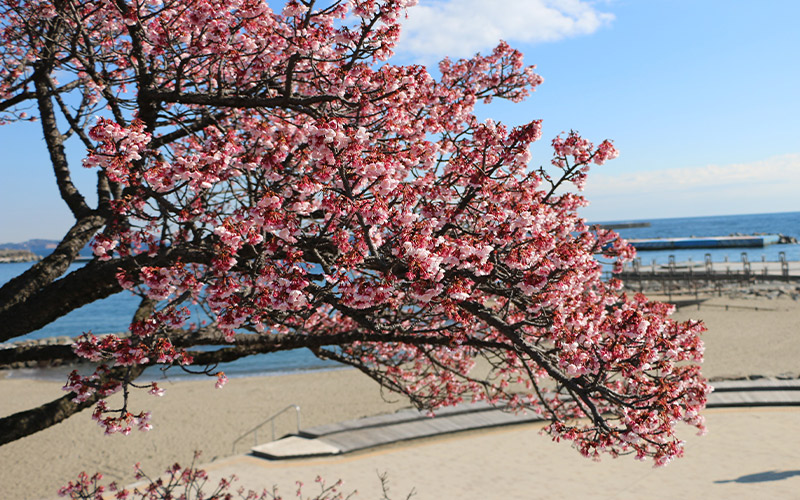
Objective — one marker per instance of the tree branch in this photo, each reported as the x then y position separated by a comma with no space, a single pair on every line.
55,145
21,288
186,130
575,386
235,101
97,280
40,353
12,101
28,422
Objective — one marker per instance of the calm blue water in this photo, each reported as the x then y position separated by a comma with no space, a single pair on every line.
113,314
787,223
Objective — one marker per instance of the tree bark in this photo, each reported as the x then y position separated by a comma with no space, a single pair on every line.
45,354
55,146
51,267
96,280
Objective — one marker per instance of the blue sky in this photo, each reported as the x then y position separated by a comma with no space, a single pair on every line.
702,98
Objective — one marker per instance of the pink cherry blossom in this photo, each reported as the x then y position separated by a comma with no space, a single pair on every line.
277,171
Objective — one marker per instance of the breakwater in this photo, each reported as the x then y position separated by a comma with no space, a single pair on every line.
732,241
12,256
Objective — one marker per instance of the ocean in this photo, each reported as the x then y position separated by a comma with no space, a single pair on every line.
113,314
786,223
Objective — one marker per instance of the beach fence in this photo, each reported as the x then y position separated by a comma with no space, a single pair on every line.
692,277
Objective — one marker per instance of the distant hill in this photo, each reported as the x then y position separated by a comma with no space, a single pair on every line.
42,248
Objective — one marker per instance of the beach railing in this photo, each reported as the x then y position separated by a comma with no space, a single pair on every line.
270,420
748,271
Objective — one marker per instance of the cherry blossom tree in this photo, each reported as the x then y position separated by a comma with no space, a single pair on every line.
275,169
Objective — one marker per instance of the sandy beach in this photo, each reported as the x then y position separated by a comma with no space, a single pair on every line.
753,336
747,454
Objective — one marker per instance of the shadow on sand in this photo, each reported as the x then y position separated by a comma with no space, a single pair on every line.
763,477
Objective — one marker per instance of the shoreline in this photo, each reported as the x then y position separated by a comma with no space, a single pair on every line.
61,372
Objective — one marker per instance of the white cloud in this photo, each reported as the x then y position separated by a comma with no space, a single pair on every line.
769,185
460,28
776,170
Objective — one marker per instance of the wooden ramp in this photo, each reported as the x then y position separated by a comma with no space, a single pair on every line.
404,425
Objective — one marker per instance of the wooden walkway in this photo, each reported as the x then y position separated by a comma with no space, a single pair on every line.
354,435
744,271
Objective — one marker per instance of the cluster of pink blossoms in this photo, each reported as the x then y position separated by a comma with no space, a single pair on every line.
310,194
120,424
117,148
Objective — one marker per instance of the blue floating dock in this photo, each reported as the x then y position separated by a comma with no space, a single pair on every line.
706,242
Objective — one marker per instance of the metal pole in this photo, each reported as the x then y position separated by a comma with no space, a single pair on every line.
784,265
746,266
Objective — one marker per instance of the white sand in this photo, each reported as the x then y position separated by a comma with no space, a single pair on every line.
192,415
747,454
515,463
751,337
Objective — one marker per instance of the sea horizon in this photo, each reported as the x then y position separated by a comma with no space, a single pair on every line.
647,219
